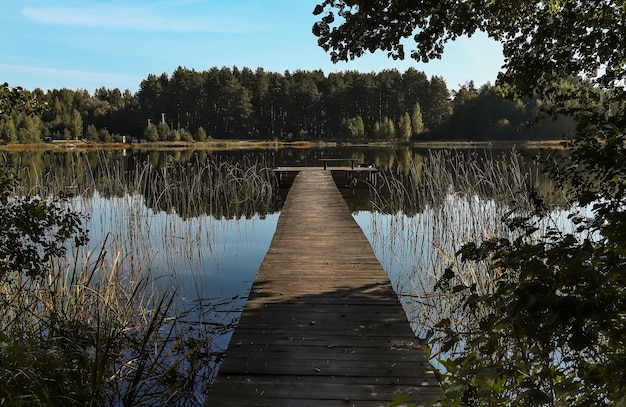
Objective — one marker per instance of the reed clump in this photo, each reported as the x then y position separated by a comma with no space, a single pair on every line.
448,198
221,188
91,332
105,325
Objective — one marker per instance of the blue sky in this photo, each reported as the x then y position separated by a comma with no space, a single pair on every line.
79,44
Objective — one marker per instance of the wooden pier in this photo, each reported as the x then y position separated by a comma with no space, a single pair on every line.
348,173
322,325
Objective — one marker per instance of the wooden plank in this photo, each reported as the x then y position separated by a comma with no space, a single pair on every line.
325,161
322,325
329,168
319,394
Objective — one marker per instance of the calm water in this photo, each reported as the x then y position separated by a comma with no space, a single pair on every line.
209,250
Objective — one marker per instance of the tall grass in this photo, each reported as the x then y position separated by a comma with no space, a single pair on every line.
447,199
213,185
66,336
219,188
108,326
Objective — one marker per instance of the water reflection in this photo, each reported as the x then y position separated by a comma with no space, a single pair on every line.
210,262
447,200
201,221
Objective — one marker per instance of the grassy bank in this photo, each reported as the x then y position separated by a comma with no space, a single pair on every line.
162,145
217,145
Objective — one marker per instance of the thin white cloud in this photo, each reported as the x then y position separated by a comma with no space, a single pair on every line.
111,16
66,76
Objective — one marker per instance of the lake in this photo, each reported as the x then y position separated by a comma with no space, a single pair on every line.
200,222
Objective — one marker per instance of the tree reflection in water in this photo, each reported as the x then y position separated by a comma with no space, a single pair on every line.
199,223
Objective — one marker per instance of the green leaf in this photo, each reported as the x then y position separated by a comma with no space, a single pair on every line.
400,401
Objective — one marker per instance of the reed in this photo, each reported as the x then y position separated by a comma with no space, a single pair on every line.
90,332
198,185
220,188
107,325
447,199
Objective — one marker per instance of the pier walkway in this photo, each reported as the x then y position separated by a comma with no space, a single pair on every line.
322,325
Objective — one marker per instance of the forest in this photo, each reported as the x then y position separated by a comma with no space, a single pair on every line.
233,103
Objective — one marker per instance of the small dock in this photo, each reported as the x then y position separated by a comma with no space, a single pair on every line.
349,173
322,325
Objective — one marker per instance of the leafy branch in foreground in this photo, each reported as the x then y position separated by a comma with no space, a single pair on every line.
552,330
33,231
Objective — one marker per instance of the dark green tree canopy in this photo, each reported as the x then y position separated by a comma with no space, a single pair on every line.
542,40
16,98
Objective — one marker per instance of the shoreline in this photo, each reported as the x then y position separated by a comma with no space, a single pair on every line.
254,144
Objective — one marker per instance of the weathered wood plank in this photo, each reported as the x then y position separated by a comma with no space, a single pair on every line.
321,393
322,325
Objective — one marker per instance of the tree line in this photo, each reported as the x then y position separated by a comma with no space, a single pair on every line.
233,103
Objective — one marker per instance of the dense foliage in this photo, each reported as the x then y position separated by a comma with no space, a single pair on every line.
32,230
551,329
304,105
